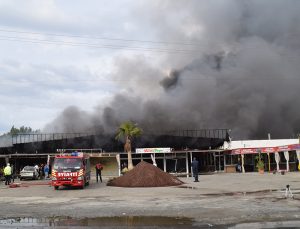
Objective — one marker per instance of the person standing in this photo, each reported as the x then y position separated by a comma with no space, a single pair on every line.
124,168
7,174
46,171
98,168
195,165
37,170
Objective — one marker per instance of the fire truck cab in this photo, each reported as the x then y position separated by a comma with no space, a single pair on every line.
71,170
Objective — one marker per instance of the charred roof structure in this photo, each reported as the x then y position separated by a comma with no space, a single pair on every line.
178,140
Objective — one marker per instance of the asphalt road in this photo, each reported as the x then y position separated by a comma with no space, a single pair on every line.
218,199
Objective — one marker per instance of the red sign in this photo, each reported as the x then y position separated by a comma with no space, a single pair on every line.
245,151
269,150
266,149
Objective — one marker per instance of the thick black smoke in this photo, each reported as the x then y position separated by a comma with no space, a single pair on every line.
171,80
242,72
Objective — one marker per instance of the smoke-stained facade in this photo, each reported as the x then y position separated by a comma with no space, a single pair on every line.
238,68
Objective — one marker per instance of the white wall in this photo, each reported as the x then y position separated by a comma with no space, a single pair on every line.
259,143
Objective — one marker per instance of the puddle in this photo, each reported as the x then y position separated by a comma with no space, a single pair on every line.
241,193
103,222
186,187
142,222
258,225
231,193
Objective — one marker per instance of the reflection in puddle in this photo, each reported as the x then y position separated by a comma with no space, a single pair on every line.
241,193
109,222
283,224
133,222
186,187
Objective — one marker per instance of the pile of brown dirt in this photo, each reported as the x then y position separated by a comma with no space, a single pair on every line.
145,175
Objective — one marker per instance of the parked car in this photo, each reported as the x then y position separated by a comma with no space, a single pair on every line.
29,172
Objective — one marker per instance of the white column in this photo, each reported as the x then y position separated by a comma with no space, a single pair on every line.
277,159
243,168
187,164
153,159
287,158
119,164
215,162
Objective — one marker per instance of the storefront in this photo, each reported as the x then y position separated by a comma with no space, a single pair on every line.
275,158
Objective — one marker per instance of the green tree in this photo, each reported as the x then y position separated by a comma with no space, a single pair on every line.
127,131
14,131
22,130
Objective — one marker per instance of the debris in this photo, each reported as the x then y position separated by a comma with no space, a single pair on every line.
145,175
15,185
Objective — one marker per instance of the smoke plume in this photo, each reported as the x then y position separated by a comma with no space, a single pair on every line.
242,72
171,80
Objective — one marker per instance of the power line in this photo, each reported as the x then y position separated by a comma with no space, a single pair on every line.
91,45
144,80
100,38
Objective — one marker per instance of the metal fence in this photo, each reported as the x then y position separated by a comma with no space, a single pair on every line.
39,137
201,133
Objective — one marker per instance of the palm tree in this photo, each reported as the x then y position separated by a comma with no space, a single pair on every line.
128,130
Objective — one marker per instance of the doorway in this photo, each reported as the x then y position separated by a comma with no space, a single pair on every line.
219,161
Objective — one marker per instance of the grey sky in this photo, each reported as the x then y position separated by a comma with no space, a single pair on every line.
238,62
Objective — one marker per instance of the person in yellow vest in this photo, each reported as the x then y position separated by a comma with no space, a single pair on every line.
7,174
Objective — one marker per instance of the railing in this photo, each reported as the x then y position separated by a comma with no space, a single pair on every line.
201,133
39,137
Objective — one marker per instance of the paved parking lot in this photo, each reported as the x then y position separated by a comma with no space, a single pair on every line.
216,199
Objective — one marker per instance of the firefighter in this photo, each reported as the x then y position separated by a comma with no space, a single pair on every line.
98,168
7,174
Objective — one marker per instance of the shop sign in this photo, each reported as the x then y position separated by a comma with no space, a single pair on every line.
236,151
266,149
269,150
153,150
245,151
249,151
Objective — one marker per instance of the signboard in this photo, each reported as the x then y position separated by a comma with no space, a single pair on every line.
236,151
269,150
266,149
153,150
249,151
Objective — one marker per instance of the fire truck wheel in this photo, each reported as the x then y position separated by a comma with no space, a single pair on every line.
56,187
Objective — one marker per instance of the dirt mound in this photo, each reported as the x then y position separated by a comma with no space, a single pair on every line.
145,175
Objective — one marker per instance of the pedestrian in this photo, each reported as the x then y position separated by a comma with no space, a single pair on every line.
36,169
239,166
195,165
46,171
124,168
98,168
7,174
41,171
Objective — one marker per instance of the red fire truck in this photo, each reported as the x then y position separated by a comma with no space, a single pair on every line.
71,170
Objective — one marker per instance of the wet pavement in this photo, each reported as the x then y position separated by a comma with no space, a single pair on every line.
133,222
217,201
103,222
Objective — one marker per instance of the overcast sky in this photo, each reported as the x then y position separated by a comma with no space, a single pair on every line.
70,65
37,79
